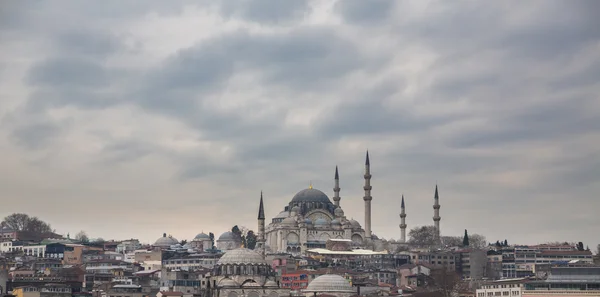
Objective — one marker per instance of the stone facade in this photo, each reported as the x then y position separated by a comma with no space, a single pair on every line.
309,220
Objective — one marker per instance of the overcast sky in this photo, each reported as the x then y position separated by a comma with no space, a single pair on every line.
133,118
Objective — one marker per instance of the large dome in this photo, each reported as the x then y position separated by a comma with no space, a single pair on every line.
165,241
310,195
329,283
227,236
241,256
202,236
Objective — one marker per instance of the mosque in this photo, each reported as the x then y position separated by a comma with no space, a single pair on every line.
310,219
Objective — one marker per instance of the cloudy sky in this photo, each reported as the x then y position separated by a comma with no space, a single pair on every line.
130,119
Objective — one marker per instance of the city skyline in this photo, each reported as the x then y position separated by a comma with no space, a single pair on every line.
134,120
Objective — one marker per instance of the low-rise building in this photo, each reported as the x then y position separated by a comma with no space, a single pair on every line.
191,261
502,288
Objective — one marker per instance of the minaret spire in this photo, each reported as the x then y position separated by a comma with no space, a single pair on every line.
402,221
436,212
260,245
336,189
367,197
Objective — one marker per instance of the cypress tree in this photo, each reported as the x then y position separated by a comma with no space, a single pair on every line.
466,239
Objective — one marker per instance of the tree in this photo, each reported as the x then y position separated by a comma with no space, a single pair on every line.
447,282
466,239
183,242
505,242
82,237
598,250
580,246
423,236
23,222
238,234
212,240
477,241
452,240
251,240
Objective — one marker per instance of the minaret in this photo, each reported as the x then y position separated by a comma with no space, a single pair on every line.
336,189
402,222
260,244
436,213
367,197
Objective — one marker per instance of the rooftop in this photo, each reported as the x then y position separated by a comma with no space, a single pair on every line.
353,252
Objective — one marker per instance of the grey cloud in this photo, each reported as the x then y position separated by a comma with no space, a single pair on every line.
308,62
64,71
365,12
126,151
372,116
545,121
36,136
88,43
266,11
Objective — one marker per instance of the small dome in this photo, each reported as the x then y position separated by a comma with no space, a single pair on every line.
332,283
271,284
241,256
338,212
165,241
307,221
251,285
289,221
355,224
321,222
202,236
282,215
296,209
336,222
227,282
227,236
311,195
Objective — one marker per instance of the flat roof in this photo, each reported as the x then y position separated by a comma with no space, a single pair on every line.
357,252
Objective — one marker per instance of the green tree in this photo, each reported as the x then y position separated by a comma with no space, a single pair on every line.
251,240
212,240
23,222
238,234
466,239
505,242
580,246
82,237
423,236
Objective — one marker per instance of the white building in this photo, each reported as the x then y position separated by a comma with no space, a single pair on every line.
502,288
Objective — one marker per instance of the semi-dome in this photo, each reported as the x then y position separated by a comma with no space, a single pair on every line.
202,236
227,282
241,256
321,222
332,283
289,221
282,215
310,195
227,236
307,221
165,241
